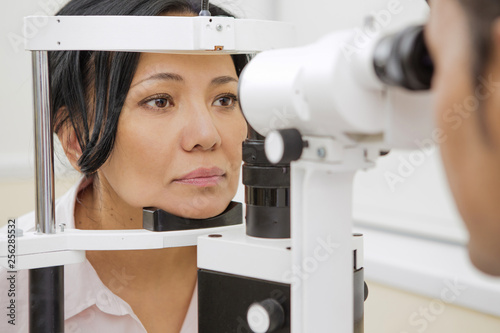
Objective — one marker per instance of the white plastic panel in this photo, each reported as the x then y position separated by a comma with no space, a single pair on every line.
156,34
43,250
239,254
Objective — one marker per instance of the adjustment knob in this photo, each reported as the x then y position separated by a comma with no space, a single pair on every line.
266,316
284,146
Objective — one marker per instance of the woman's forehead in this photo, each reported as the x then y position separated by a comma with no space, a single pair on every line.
185,66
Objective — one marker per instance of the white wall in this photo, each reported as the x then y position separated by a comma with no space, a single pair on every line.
315,18
16,139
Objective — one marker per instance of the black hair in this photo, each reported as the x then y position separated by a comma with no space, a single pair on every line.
89,88
481,15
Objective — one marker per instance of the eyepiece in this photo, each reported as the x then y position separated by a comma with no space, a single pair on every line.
403,60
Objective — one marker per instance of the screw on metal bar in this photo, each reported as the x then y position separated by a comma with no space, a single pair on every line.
370,22
321,152
219,27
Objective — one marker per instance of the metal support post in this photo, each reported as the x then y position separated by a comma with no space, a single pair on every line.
46,292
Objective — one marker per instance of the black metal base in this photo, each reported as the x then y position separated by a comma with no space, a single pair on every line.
224,299
360,295
46,297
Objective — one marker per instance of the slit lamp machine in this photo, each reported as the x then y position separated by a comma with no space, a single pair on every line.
318,113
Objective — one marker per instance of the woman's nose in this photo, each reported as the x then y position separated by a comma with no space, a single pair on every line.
200,132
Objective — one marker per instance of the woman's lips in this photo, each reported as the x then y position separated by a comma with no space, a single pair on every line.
202,181
202,177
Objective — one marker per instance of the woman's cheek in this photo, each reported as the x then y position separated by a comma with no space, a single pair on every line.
237,133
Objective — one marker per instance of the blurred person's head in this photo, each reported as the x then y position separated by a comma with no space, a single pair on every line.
464,39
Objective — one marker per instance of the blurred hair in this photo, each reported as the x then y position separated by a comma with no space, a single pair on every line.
89,88
481,15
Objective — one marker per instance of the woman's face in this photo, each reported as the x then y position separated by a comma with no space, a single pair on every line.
179,138
471,159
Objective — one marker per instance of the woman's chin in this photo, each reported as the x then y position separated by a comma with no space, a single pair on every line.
198,209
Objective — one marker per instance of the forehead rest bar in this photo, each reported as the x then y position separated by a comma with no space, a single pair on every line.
159,34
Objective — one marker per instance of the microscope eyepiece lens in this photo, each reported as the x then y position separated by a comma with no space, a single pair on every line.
403,60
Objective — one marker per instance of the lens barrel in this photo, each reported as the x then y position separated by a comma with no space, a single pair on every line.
403,60
267,191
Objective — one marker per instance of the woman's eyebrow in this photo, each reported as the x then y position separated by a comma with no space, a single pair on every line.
220,80
162,76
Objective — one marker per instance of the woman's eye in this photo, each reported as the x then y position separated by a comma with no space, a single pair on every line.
159,103
225,101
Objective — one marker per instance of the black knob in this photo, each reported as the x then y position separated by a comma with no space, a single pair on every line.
266,316
284,146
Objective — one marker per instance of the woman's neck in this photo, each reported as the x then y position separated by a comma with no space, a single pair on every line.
100,208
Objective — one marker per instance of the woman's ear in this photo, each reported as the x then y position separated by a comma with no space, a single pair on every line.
69,142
